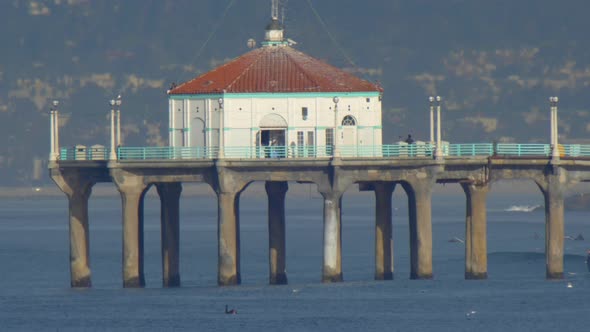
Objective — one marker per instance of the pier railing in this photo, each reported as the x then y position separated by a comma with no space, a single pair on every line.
467,150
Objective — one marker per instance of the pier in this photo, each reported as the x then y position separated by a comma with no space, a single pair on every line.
475,167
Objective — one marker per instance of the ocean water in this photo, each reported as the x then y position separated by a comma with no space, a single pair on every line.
35,293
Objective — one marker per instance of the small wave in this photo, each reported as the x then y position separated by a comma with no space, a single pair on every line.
522,208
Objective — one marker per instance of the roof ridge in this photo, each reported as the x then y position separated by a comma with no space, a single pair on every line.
214,70
296,64
247,69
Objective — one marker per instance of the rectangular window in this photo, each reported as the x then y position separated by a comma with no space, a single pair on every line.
300,144
310,138
311,144
329,141
304,113
300,138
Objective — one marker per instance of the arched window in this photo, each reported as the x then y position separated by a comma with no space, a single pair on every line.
348,121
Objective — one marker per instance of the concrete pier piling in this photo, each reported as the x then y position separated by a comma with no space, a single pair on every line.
228,224
553,192
79,237
419,207
332,266
476,259
276,192
383,231
132,189
170,232
77,187
133,275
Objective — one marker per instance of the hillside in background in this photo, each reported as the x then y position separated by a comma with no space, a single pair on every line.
494,62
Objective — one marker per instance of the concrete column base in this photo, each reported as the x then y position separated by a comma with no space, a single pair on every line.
421,276
554,275
476,276
134,282
384,276
171,282
279,279
331,276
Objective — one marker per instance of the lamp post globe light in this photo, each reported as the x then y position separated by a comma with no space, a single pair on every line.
336,152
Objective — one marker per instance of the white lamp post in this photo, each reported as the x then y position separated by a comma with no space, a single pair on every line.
336,152
113,153
438,152
54,131
554,132
118,102
431,100
221,153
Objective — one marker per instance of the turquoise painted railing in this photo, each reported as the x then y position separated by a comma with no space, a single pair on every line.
523,150
84,153
469,150
165,152
391,150
297,152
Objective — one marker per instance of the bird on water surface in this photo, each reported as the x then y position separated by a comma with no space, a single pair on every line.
230,311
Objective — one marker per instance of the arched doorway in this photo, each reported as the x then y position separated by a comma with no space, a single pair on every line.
348,131
273,129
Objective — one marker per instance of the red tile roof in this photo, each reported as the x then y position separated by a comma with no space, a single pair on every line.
275,69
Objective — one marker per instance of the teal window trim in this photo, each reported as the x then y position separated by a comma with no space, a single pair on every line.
303,128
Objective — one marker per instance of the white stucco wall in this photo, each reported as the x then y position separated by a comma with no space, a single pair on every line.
243,113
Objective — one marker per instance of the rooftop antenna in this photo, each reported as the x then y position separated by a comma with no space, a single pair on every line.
283,12
274,31
275,10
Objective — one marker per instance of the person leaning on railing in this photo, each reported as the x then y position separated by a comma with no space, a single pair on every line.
410,142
